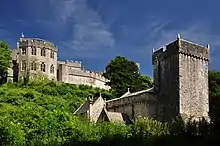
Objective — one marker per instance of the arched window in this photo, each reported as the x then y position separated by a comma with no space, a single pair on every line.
52,69
33,50
33,66
43,67
23,65
43,52
52,54
23,51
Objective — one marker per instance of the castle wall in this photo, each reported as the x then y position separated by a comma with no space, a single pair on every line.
136,104
181,80
193,67
28,58
167,81
73,73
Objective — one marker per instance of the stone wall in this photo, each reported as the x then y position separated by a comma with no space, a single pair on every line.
74,73
193,71
28,58
181,79
167,80
96,109
141,103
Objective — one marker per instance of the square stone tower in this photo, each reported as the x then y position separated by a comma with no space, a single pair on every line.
181,80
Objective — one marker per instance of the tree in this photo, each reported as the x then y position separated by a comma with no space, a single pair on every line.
123,74
146,82
214,95
5,60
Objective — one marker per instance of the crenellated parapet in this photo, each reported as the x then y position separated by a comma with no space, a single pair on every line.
182,46
87,73
74,72
38,43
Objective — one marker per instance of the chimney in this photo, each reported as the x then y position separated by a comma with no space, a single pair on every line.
90,100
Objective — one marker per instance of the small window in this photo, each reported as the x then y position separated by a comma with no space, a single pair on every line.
23,65
52,69
33,66
52,54
43,52
43,67
33,50
23,51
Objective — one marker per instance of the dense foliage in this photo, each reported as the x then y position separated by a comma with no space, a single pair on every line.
5,58
123,74
40,112
214,94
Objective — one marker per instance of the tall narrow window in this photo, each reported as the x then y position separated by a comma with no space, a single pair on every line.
43,67
52,54
23,51
52,69
132,111
33,50
43,52
33,66
23,65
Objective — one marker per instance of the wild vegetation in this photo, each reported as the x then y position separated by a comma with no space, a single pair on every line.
5,57
123,74
40,112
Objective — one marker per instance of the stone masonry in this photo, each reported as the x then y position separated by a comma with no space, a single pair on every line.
38,56
180,85
74,72
181,78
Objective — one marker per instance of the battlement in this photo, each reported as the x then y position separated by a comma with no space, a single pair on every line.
181,46
87,73
72,63
76,68
40,43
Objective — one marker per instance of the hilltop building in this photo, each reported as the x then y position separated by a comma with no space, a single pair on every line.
180,86
35,56
95,110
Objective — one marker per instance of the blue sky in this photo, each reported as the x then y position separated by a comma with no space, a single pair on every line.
95,31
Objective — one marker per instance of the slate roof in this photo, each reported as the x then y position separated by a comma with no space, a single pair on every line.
83,108
128,94
98,107
117,117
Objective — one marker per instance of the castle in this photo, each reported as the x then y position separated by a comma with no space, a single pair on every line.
38,56
180,88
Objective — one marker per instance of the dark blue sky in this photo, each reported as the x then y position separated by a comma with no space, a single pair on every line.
95,31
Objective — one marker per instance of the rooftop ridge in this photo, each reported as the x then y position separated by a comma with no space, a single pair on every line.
37,39
191,42
180,39
131,94
159,48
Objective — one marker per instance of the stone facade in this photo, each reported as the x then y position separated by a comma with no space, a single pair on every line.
37,56
95,110
74,72
180,85
34,55
136,104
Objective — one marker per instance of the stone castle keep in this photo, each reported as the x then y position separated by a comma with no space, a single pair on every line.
180,88
37,56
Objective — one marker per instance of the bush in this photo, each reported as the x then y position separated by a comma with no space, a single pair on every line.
41,113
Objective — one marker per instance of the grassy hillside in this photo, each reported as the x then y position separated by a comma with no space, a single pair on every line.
41,113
